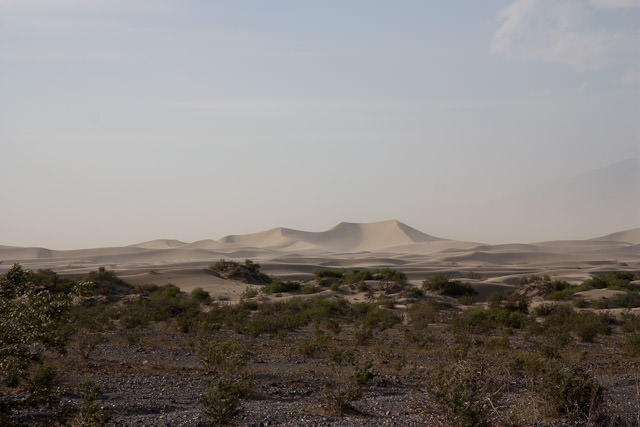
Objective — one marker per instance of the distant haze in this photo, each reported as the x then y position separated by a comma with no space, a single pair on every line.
493,121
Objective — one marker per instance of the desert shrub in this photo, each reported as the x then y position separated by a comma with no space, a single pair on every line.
465,393
91,413
509,319
526,363
316,346
466,300
560,285
200,296
278,286
32,321
588,325
362,287
108,283
335,287
561,295
309,289
249,293
475,275
631,345
600,304
325,273
516,302
222,356
525,280
147,289
579,302
224,265
221,402
356,276
249,272
389,275
342,387
561,320
628,300
414,293
375,317
573,393
424,312
281,317
50,280
444,286
630,322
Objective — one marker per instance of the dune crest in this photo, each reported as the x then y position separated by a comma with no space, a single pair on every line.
343,237
160,244
628,236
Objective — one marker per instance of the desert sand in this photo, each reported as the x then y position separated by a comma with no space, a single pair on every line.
295,254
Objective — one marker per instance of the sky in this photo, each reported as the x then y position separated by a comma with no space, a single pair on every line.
126,121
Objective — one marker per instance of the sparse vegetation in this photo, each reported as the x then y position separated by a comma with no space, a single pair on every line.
311,346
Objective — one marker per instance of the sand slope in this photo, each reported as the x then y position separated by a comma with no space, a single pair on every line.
344,237
629,236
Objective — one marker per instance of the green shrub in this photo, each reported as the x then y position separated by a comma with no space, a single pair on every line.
579,302
631,345
356,276
32,321
574,394
221,402
223,356
107,283
465,393
560,285
278,286
375,317
424,312
309,289
321,274
91,413
444,286
600,304
200,296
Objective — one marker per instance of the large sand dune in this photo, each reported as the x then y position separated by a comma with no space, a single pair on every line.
295,254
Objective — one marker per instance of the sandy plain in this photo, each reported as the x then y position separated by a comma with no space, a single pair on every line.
294,254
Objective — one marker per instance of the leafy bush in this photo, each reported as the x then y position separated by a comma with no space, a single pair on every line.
200,296
575,394
278,286
91,413
321,274
107,283
561,319
424,312
631,345
465,393
223,356
221,402
451,288
375,317
309,289
32,321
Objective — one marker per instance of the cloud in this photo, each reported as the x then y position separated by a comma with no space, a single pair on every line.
562,31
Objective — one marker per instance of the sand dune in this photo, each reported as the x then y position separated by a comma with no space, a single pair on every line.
160,244
295,254
344,237
13,253
628,236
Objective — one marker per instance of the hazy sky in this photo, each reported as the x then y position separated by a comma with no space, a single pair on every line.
123,121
